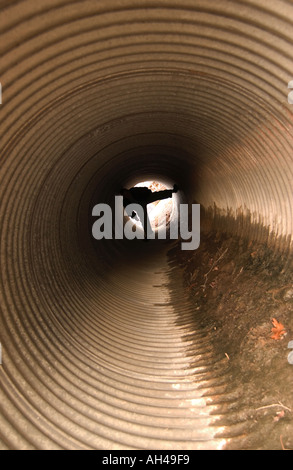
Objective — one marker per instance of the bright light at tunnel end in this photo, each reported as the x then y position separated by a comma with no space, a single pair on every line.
178,226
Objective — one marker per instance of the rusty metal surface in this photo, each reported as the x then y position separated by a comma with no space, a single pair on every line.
95,94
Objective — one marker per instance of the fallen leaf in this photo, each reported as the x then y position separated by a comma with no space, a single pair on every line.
278,330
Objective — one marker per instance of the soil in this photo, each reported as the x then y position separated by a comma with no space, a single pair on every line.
237,287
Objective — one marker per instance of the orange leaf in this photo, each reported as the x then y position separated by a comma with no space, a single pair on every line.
278,330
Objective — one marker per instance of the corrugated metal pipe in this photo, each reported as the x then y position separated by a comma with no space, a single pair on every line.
100,349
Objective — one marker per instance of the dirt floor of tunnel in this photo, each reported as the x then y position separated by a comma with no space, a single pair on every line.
237,288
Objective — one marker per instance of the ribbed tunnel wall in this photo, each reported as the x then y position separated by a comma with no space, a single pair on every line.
101,94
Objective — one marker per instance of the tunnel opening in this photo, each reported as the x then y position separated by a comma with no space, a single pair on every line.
160,211
113,344
157,214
